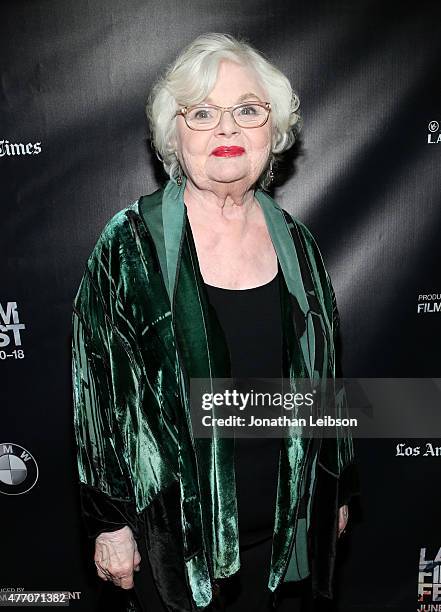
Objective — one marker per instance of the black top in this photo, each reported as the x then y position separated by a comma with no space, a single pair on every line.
251,321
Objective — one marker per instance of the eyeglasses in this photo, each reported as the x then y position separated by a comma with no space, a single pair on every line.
208,116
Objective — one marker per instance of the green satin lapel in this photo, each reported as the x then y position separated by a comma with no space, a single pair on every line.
166,223
173,214
301,286
205,354
283,245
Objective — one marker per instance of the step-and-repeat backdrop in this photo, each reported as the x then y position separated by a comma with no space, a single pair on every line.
365,177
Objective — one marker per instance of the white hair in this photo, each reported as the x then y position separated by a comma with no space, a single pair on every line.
192,76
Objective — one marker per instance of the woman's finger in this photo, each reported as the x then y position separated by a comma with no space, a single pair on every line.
126,582
343,516
101,574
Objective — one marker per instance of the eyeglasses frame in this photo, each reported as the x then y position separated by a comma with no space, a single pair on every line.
185,109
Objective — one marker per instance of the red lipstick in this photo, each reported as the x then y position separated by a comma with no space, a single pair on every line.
228,151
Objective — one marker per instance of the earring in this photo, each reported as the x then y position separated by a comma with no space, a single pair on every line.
270,172
179,177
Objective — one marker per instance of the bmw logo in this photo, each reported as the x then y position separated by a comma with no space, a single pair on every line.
18,469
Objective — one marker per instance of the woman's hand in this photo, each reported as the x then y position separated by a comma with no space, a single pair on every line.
343,515
117,557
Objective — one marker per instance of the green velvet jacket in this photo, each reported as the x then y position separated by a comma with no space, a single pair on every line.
142,328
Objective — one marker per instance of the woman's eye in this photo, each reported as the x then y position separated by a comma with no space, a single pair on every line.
202,114
249,110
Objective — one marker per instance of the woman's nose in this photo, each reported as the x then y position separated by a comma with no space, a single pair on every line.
227,125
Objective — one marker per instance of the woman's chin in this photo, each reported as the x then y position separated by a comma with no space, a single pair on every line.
227,176
227,170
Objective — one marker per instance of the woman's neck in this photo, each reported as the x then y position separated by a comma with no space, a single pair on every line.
220,202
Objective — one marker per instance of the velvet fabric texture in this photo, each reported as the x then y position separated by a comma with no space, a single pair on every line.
142,329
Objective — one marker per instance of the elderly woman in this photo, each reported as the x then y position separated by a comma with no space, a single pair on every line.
209,278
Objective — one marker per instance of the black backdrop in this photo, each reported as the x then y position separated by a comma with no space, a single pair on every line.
365,179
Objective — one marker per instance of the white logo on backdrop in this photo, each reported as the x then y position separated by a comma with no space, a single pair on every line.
18,469
10,332
16,149
433,138
429,303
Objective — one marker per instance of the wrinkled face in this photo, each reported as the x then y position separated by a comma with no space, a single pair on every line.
198,151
